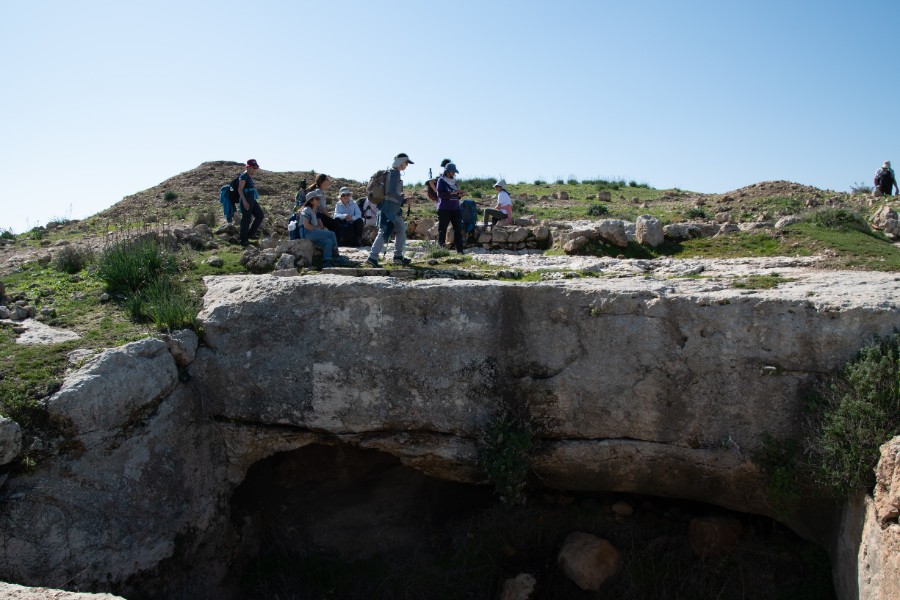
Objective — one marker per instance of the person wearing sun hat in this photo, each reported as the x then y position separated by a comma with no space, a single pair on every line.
348,218
503,211
250,208
449,211
886,180
390,214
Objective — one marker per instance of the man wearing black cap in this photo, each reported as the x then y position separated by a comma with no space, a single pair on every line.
390,214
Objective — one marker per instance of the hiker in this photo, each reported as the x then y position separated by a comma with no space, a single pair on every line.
390,214
886,180
301,195
323,182
449,212
249,203
431,184
503,211
313,231
349,219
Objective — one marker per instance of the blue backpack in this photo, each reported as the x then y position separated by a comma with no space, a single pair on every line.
228,197
469,215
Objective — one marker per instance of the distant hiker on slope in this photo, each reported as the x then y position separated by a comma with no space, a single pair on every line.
249,203
390,214
885,180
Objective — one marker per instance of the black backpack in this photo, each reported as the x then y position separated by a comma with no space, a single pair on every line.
883,179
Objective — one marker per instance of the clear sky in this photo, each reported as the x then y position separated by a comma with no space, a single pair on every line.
104,99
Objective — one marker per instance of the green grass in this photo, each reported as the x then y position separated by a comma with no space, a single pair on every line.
854,249
760,282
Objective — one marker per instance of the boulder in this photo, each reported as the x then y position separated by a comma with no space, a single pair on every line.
879,549
887,484
680,232
285,261
622,509
5,312
604,196
423,227
544,198
588,560
302,250
500,235
215,261
257,261
520,587
882,215
727,228
516,235
713,535
612,231
789,220
485,237
560,195
203,229
10,440
723,217
112,389
648,231
542,233
576,246
183,346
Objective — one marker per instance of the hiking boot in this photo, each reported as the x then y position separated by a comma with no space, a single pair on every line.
373,263
343,261
401,260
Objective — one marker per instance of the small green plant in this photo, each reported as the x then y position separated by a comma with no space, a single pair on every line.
57,222
169,195
540,182
168,305
7,234
839,218
434,251
205,217
695,213
852,415
478,194
572,180
72,259
518,205
779,461
180,213
131,265
505,448
597,210
760,282
37,233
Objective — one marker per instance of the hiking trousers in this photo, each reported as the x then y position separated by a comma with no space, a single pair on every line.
454,218
248,230
494,215
390,220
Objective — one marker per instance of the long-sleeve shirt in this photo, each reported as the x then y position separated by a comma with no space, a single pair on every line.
448,194
342,210
393,186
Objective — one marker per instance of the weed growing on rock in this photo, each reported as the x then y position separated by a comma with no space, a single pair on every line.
505,448
760,282
131,265
597,210
839,218
434,251
852,415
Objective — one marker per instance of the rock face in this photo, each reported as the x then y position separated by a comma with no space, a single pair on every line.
17,592
879,552
10,440
661,387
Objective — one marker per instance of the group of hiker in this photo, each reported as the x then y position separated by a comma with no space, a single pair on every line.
345,225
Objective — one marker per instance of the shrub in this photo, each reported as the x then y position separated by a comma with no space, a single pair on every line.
168,305
505,448
518,205
130,266
169,195
839,218
205,217
852,415
37,233
572,180
560,181
477,194
7,234
540,182
597,210
72,259
695,213
861,188
57,222
432,250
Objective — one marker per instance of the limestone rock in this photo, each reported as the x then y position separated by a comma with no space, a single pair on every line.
258,261
215,261
883,217
11,591
500,235
723,217
887,483
560,195
285,261
10,440
713,535
302,250
648,231
485,237
423,227
203,229
183,346
112,389
576,246
727,228
604,196
516,235
4,312
542,233
789,220
588,560
544,198
680,232
520,587
292,272
612,231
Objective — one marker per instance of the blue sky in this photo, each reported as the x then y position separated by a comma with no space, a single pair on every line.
104,99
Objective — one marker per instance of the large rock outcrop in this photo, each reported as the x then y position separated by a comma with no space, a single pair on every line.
663,387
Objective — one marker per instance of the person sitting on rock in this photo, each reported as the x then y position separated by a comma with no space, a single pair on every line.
503,211
323,182
312,231
349,219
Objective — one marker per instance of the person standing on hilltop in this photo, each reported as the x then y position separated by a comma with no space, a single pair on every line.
449,211
390,214
886,180
250,208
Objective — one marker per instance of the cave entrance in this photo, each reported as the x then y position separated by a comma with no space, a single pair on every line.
340,522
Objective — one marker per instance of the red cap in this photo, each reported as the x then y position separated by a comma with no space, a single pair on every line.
252,163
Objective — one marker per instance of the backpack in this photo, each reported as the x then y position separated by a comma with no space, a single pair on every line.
883,178
295,227
375,189
431,189
469,215
228,197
